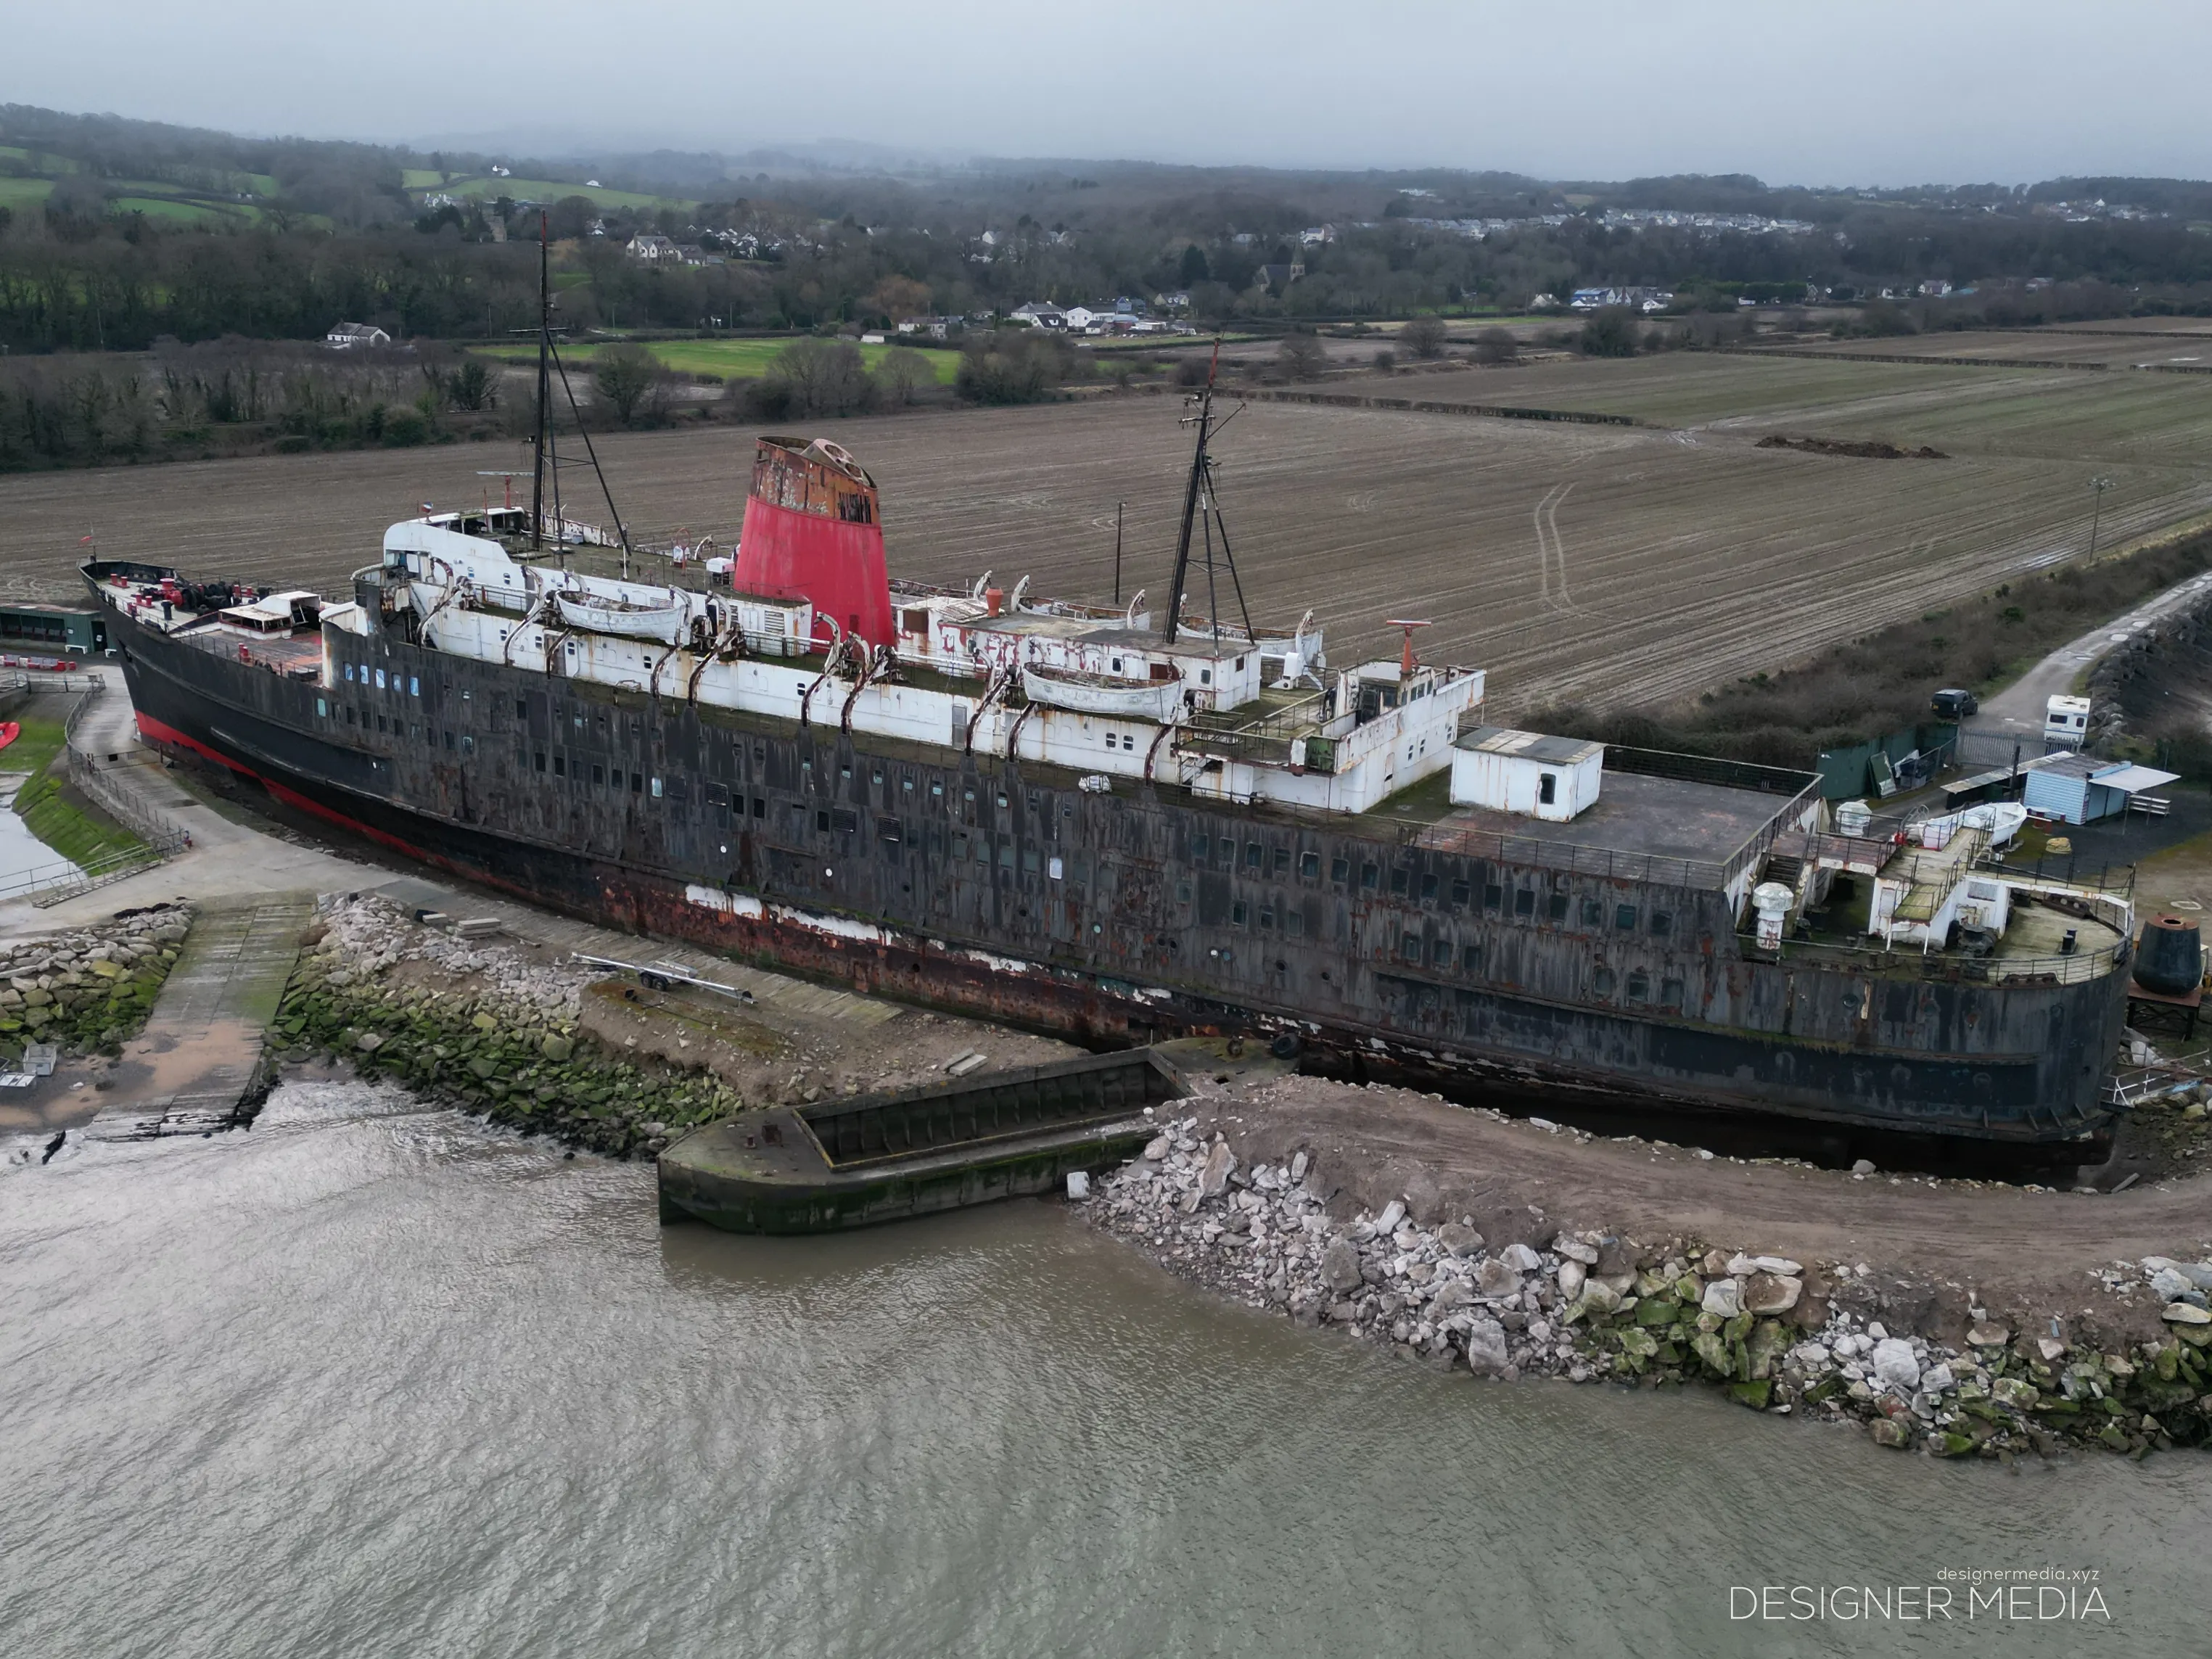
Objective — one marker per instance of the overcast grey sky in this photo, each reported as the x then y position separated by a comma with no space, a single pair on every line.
1874,91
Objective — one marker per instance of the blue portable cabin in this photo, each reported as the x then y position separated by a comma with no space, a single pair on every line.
2083,788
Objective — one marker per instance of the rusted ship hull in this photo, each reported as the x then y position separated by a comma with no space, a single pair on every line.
963,882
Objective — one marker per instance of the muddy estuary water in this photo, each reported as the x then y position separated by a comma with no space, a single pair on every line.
369,1380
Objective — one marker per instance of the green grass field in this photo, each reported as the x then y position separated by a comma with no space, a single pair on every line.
73,829
535,190
24,193
194,213
734,360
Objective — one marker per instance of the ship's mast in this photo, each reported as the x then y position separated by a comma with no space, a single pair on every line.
1203,419
544,388
1201,508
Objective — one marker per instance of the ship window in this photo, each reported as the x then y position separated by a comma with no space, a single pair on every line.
1470,959
877,775
1601,981
1428,887
1282,861
759,806
1055,869
1002,800
1293,923
1524,900
1547,787
889,831
1461,891
522,708
1440,953
821,822
468,744
1236,912
1201,849
1006,855
540,758
983,850
322,708
1030,859
348,713
1639,987
380,679
1399,879
1117,664
1624,917
1662,922
907,785
1368,875
968,794
1493,896
959,845
1556,907
637,784
1253,854
1410,947
843,820
718,794
1183,892
414,686
560,766
935,789
1309,866
578,720
1670,992
599,773
1593,914
1205,677
349,673
1340,871
1266,917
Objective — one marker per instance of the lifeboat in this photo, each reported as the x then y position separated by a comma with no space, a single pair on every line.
659,620
1104,694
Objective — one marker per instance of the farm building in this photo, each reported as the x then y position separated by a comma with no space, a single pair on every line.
346,336
2082,788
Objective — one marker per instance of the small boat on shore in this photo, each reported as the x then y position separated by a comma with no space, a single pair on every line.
1105,695
630,618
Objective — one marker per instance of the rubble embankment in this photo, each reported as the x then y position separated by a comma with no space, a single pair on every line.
561,1049
1269,1194
87,990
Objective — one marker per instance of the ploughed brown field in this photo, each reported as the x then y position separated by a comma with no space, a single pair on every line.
1613,564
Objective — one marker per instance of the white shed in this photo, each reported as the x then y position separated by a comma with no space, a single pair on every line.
1525,772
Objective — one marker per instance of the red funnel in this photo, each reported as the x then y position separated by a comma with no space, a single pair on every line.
812,532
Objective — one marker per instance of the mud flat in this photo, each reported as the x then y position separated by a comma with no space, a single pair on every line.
1962,1317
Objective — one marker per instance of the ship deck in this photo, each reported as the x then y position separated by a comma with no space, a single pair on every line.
1668,827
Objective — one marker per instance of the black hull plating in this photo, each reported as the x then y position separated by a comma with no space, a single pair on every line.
988,887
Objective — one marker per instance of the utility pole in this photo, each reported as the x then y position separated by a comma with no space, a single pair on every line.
2100,483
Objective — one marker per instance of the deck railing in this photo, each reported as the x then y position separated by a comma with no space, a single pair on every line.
2077,969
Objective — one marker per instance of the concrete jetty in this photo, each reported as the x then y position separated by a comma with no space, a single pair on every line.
198,1065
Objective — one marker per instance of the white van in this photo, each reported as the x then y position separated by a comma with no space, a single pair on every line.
2065,723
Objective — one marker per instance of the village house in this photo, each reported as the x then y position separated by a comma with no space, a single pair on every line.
1037,314
653,249
346,336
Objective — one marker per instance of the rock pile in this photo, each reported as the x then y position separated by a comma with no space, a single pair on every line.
1593,1305
89,989
478,1026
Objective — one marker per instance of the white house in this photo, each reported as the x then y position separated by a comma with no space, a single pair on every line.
652,248
346,336
1037,314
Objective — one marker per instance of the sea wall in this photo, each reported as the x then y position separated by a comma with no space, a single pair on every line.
90,988
475,1025
1596,1305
